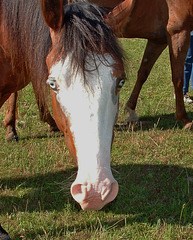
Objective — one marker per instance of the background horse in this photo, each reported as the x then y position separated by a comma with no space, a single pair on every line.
9,121
79,55
163,23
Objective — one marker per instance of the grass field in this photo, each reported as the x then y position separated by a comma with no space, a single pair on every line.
153,164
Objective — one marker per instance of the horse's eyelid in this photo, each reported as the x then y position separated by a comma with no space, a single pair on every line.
51,79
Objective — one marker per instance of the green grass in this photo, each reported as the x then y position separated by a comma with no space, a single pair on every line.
153,164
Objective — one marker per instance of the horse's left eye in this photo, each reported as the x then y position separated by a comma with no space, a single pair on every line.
52,82
121,83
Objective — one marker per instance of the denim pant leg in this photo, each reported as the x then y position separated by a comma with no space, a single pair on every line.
188,68
192,80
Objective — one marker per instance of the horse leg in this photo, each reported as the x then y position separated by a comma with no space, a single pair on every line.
152,51
178,47
44,112
10,118
3,98
45,116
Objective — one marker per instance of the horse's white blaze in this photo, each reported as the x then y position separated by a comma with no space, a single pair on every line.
91,111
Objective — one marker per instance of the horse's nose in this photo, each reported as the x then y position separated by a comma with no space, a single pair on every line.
96,195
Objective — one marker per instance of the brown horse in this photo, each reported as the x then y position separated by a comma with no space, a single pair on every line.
14,74
163,23
79,55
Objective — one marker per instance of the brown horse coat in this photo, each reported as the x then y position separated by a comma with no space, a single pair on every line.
20,58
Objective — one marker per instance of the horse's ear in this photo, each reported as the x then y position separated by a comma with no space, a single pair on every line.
53,13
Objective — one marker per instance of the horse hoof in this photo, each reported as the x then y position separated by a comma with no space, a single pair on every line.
12,137
132,115
189,125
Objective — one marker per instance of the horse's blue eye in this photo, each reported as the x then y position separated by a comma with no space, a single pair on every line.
52,82
121,83
52,85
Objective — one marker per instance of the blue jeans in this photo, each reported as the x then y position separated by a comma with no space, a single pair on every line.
188,72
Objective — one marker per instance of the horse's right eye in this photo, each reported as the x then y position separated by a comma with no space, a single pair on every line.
52,83
121,83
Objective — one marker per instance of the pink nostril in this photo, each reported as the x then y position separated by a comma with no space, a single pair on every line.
110,193
79,192
106,192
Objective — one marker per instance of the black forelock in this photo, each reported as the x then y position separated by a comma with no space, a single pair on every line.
85,33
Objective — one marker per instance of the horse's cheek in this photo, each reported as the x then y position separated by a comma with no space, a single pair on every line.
64,126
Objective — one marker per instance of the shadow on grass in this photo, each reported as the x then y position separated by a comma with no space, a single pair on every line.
162,122
36,193
42,136
147,193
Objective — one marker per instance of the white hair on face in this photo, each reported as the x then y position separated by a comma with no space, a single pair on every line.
91,114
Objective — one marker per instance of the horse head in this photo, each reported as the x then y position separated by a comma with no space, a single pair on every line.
86,74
